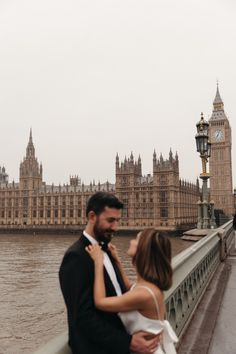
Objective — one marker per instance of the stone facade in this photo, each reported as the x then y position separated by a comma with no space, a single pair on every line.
221,183
162,200
3,176
33,202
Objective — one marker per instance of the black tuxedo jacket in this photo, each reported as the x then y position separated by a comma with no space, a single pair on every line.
90,331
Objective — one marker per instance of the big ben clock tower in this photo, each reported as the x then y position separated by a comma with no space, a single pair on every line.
220,160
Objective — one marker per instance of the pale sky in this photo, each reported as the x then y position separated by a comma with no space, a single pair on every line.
97,77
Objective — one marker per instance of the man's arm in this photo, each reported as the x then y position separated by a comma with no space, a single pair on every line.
77,287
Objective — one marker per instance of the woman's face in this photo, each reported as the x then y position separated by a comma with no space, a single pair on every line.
133,246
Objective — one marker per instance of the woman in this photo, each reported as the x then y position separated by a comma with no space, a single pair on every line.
141,308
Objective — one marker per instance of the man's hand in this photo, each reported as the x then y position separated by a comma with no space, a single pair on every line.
144,343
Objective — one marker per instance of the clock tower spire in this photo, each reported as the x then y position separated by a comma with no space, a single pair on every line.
220,160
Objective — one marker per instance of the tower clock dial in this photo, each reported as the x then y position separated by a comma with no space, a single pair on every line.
218,135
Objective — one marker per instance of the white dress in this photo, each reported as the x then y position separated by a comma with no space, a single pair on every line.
134,321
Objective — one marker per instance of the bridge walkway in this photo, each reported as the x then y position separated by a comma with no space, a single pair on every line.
224,336
212,328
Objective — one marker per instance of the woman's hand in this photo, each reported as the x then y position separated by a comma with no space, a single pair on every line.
112,248
95,253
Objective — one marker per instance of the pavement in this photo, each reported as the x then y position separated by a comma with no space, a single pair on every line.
224,336
213,327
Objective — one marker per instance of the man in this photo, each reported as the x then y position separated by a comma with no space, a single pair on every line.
92,331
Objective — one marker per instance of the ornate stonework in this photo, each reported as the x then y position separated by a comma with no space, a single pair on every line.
162,200
220,161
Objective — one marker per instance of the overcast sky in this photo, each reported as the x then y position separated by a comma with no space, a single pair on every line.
97,77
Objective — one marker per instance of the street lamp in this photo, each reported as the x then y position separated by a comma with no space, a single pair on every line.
206,218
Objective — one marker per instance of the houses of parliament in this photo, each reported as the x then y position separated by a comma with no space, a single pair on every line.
162,200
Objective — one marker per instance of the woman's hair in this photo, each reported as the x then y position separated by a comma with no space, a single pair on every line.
153,258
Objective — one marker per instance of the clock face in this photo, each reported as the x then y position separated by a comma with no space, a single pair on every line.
218,135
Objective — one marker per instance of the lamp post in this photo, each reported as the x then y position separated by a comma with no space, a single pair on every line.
206,218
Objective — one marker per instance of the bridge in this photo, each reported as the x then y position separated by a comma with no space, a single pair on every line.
202,282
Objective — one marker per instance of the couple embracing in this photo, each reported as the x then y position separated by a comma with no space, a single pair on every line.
107,314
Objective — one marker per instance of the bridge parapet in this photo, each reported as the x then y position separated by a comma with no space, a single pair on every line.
193,270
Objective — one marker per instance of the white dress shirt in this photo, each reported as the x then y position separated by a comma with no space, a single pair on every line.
107,264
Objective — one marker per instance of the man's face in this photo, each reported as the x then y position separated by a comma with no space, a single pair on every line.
106,224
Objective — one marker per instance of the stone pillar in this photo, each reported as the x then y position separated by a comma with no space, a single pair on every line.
199,219
205,212
213,220
205,224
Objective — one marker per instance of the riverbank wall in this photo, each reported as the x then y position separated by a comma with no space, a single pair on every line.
76,229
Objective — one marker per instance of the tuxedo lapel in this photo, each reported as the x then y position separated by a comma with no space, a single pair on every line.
118,274
85,242
110,289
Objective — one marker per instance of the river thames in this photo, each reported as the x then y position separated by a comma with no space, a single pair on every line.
32,308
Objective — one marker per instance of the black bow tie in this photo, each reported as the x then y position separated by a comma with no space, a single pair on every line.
104,246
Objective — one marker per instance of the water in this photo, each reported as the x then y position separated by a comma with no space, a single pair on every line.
32,309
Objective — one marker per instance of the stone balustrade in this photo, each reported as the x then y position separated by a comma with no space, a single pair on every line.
193,270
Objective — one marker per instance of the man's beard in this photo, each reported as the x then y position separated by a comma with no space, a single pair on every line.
102,235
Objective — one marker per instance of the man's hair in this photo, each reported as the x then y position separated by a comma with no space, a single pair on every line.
153,258
98,201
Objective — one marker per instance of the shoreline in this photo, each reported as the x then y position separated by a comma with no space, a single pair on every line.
52,230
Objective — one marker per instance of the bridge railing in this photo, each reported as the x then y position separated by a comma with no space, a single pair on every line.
193,270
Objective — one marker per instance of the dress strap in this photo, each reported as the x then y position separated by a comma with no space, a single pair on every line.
153,296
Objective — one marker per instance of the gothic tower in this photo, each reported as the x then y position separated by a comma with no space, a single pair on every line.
220,160
165,187
128,174
30,172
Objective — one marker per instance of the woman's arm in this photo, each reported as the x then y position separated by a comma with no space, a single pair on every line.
132,300
114,253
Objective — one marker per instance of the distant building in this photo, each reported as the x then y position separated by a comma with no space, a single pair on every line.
162,200
32,202
221,184
3,177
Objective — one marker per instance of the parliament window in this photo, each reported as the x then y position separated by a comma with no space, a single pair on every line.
164,212
163,197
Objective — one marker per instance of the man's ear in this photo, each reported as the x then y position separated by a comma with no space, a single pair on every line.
92,217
